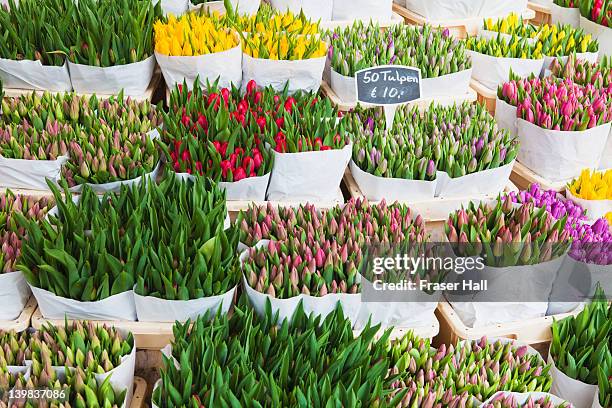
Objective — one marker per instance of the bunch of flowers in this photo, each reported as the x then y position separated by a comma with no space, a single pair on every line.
459,140
105,140
567,3
510,401
284,46
583,72
558,104
598,11
10,232
361,46
329,254
592,186
501,47
192,35
511,25
268,19
14,350
508,236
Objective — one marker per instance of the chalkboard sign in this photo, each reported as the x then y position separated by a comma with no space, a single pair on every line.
388,85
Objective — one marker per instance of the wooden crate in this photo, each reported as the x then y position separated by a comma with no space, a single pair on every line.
23,320
529,331
147,96
422,104
459,28
523,177
433,211
486,97
140,393
542,14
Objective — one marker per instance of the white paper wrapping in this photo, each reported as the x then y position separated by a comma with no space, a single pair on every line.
27,74
522,397
493,71
117,307
606,158
313,176
565,15
558,155
600,33
503,281
225,66
29,174
579,280
457,9
305,75
320,306
486,182
313,9
588,56
362,9
122,376
449,85
115,186
505,115
248,189
14,294
376,188
134,79
580,394
176,7
596,209
152,309
596,403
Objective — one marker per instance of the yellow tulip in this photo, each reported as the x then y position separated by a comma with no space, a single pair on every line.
592,186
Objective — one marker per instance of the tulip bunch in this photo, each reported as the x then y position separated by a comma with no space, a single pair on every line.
459,139
308,362
468,371
105,140
581,344
592,186
558,104
86,345
284,46
268,19
511,25
509,401
605,389
110,32
508,236
597,11
220,134
583,72
501,47
32,29
361,46
328,256
10,232
563,39
181,240
80,386
192,35
567,3
14,349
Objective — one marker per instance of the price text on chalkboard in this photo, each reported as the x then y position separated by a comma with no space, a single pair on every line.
388,85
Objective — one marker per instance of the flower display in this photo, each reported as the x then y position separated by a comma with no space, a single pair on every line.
459,140
510,401
583,72
511,25
595,185
597,11
501,47
362,45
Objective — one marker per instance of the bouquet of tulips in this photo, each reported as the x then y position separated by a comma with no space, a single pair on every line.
362,46
34,30
513,25
459,140
501,47
283,46
507,236
311,379
111,32
563,40
11,233
502,400
84,345
592,186
14,350
567,3
220,134
192,35
269,20
80,389
558,104
598,11
581,344
583,72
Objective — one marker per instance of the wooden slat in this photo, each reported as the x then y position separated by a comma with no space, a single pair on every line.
543,13
140,393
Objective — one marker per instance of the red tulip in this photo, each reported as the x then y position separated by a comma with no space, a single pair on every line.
185,120
248,161
186,156
257,160
276,99
261,122
199,166
239,174
258,97
233,158
251,86
225,167
213,97
280,122
289,104
225,93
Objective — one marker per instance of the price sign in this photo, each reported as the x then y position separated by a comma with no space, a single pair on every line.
389,86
